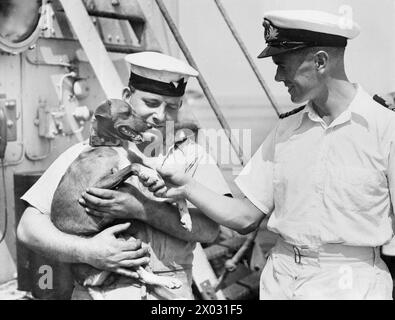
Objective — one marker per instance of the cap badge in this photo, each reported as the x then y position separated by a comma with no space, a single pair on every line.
271,33
177,84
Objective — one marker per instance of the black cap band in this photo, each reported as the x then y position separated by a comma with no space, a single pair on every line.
281,40
158,87
296,37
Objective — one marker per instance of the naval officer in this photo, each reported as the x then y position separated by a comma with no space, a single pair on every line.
325,175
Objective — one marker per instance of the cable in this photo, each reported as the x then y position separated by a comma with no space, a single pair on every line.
71,74
5,203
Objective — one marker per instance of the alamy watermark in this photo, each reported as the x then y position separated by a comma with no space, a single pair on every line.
214,142
45,282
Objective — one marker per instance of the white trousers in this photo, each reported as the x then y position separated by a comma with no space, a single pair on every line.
130,289
330,272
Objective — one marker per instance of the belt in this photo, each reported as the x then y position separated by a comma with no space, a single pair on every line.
326,252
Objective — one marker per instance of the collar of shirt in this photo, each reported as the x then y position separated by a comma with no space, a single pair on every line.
356,111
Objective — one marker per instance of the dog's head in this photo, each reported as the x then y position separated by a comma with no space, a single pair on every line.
116,119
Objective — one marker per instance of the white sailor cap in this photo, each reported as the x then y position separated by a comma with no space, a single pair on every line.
289,30
159,73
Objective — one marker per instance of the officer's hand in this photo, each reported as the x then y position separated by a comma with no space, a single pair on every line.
171,186
107,252
126,203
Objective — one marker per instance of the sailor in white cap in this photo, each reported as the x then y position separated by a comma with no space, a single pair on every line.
158,73
324,177
155,91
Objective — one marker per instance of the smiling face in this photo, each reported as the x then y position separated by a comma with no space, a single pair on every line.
153,108
297,70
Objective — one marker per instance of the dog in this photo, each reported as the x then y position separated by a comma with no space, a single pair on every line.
114,122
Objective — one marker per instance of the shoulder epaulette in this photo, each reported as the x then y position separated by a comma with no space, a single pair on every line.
292,112
380,100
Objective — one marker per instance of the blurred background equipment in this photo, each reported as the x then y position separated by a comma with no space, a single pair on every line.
3,131
3,146
19,24
61,58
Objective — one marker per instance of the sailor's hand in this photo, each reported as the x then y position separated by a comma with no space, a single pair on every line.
107,252
124,203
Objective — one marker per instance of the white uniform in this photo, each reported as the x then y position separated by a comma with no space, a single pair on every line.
329,189
169,256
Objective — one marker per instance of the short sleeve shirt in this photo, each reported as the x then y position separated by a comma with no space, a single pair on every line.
327,183
167,252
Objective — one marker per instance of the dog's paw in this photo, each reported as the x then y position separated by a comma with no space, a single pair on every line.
185,217
171,283
186,222
96,279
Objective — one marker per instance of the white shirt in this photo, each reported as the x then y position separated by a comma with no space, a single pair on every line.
167,251
327,183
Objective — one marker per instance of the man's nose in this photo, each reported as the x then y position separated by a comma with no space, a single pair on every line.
279,76
159,116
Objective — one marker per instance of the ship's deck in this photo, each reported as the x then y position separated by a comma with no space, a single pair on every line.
9,291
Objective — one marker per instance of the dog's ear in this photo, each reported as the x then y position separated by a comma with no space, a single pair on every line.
113,109
104,110
120,109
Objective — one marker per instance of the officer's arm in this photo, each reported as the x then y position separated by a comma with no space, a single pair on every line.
238,214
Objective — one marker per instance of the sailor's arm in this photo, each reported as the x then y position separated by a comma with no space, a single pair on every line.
166,217
103,251
37,232
130,203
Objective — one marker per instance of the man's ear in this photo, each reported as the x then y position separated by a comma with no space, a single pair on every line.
126,93
321,59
